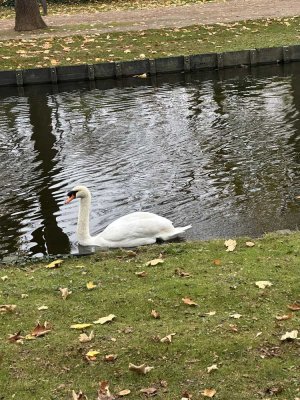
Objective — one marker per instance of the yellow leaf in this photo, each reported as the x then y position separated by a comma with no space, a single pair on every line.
4,278
103,320
230,244
80,326
54,264
155,262
91,285
92,353
250,244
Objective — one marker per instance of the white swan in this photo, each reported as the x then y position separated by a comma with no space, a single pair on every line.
135,229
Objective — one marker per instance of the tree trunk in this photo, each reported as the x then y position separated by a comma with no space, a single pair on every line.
28,17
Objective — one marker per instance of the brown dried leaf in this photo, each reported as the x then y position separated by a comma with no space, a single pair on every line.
189,302
168,338
84,338
186,396
182,273
217,261
9,308
284,317
150,391
124,392
41,330
16,338
155,314
209,392
103,391
294,307
64,292
140,369
78,396
110,357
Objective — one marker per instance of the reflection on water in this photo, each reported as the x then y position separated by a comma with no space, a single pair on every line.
220,151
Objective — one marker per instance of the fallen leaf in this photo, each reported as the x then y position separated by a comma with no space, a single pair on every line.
155,262
141,274
210,313
250,244
90,285
182,273
123,393
294,307
8,308
168,338
263,284
84,338
217,261
131,253
209,392
42,308
104,320
80,326
150,391
284,317
155,314
79,396
110,357
186,396
140,369
189,302
212,368
16,338
55,264
103,391
4,278
64,292
91,355
236,316
290,335
230,244
41,330
24,296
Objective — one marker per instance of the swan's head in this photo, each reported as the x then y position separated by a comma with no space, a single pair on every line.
78,192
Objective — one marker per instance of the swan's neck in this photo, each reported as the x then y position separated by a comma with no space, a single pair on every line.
83,226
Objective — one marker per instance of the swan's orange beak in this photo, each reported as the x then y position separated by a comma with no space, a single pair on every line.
70,198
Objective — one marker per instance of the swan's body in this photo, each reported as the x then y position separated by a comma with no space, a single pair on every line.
135,229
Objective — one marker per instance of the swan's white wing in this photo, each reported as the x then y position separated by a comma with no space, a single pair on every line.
136,225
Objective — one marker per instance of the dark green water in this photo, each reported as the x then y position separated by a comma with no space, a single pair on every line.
218,150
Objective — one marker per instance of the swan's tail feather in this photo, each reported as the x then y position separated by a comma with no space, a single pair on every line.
174,233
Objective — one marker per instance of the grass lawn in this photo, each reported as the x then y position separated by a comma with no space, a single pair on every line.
94,47
235,328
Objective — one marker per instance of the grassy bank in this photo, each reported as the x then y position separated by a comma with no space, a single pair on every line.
92,47
236,328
